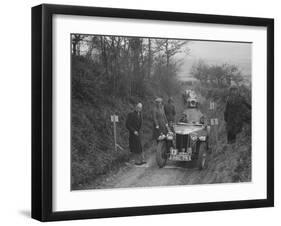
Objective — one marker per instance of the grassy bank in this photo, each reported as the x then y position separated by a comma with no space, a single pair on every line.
228,163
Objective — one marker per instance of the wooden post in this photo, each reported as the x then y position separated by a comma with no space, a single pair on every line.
114,128
114,119
214,124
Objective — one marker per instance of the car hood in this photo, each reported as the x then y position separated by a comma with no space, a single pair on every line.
188,128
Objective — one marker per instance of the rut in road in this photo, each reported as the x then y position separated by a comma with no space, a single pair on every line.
174,173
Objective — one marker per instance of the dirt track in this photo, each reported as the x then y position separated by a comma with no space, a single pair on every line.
174,173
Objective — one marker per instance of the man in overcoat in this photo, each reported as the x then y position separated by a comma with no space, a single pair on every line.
133,124
160,123
170,111
237,111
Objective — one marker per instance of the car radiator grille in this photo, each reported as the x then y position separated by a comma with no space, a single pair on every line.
182,142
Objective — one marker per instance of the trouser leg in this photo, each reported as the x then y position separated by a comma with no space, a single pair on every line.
138,157
231,137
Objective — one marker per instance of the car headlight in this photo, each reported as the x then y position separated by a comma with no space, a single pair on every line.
170,136
193,137
161,137
202,138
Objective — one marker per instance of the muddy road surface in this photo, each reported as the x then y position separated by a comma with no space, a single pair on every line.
174,173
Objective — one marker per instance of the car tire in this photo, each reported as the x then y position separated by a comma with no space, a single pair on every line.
202,156
161,157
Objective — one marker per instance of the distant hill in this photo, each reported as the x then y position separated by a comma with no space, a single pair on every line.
243,64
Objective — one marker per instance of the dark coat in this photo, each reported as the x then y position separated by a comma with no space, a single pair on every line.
170,112
134,123
159,119
237,111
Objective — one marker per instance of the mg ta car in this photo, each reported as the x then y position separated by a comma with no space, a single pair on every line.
184,142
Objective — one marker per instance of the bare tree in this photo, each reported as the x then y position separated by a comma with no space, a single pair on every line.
76,40
169,48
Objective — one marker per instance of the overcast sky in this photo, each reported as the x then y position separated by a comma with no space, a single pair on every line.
217,53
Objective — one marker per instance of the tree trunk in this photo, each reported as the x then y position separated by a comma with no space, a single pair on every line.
149,59
167,53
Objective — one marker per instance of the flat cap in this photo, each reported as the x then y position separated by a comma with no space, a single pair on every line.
158,99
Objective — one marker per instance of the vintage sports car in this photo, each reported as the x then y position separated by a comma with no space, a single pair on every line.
184,142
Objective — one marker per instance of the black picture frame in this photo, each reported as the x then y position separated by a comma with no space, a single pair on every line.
42,107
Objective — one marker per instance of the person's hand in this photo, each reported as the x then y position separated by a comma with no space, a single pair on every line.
136,133
157,127
167,126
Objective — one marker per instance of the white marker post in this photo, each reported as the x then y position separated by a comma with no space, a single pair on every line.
114,118
212,105
214,122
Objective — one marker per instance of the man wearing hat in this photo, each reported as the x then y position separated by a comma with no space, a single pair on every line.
160,123
170,111
237,111
133,124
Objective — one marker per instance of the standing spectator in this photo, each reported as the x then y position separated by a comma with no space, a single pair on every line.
133,124
170,111
160,123
185,96
236,113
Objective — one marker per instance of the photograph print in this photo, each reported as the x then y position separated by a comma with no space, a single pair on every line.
152,111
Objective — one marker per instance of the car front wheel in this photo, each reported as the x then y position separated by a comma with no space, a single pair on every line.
161,157
202,156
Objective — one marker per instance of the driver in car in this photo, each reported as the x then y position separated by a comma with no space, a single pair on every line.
192,114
